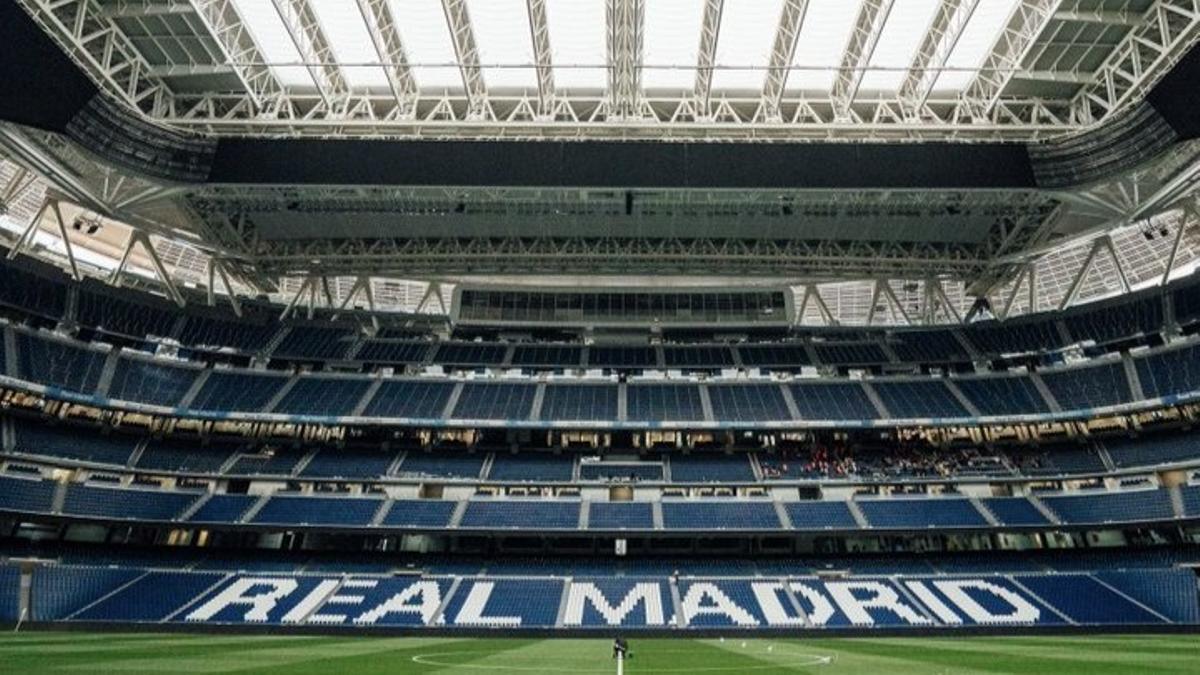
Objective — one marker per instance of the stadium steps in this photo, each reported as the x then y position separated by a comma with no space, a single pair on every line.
139,449
784,519
790,402
984,511
873,396
656,515
535,407
452,401
439,615
1177,506
1131,374
268,349
966,345
887,350
197,384
254,509
283,391
304,461
961,398
195,506
706,404
196,600
106,596
361,407
676,602
228,465
1040,385
859,517
382,512
585,511
107,373
485,469
562,602
1102,451
1057,612
60,497
755,467
622,402
1046,510
456,518
1130,599
395,465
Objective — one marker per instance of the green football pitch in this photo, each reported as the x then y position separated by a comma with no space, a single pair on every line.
188,653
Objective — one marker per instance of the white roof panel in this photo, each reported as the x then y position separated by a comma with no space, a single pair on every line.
979,35
427,40
351,43
744,44
902,35
505,43
273,39
823,40
671,44
577,43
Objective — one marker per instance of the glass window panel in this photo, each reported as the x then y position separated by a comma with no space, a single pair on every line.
427,41
272,38
350,40
577,43
980,34
505,44
906,27
672,44
744,44
823,40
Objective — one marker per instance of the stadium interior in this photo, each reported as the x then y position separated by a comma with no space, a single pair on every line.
547,317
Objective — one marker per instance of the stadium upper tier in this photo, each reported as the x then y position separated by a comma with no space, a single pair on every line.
750,383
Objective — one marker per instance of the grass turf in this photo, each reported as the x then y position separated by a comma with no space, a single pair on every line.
189,653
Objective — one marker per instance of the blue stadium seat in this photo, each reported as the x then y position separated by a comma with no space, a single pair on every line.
315,511
126,504
531,466
1169,372
748,402
533,514
574,402
354,463
711,467
1003,395
419,513
323,396
820,515
918,399
169,454
392,352
226,391
719,515
910,513
56,363
410,399
1153,450
59,591
28,495
223,509
82,444
442,464
1088,386
1111,507
1016,511
664,402
142,381
495,401
832,401
621,516
317,343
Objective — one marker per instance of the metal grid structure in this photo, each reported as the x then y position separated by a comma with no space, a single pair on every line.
773,70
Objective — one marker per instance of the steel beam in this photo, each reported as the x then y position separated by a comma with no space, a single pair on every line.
539,33
868,26
710,32
1026,24
385,36
791,20
462,35
304,29
624,40
224,23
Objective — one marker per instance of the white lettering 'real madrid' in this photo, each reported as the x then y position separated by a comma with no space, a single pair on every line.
820,609
315,598
1020,609
649,594
722,605
342,599
773,610
471,613
880,596
934,603
422,598
238,593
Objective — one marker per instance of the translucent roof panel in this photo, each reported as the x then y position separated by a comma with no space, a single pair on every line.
505,43
351,43
823,40
272,38
577,47
979,35
907,25
671,46
427,42
744,44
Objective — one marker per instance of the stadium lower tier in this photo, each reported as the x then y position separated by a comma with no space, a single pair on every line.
132,595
